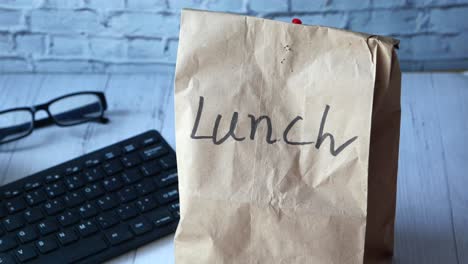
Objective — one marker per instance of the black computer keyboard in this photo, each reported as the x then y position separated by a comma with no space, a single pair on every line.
92,208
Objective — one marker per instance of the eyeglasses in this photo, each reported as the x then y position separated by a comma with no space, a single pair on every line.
67,110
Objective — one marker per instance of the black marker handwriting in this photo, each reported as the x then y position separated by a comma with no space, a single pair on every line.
254,124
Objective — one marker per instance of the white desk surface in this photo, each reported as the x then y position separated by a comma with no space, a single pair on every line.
432,210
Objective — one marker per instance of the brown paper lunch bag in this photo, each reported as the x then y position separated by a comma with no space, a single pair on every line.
287,141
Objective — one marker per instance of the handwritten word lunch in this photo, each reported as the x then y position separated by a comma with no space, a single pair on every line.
256,121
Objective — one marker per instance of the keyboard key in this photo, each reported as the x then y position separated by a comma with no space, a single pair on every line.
25,253
129,148
154,152
68,218
13,222
131,176
145,186
55,189
94,174
91,162
167,195
118,235
15,205
107,202
27,234
87,228
150,169
131,160
93,191
31,185
3,212
6,259
73,182
160,217
72,170
166,178
32,215
168,162
52,178
107,220
46,245
7,243
35,197
73,199
111,154
112,183
88,210
53,207
67,237
127,211
140,226
146,203
127,194
176,214
112,167
149,141
174,207
78,250
47,226
10,193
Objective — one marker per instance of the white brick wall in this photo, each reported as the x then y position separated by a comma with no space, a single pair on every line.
141,35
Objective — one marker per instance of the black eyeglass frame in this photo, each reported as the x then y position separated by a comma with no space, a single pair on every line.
50,119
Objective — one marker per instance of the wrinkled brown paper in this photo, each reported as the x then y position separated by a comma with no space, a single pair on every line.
288,196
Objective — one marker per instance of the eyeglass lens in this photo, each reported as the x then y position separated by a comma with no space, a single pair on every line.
76,109
15,124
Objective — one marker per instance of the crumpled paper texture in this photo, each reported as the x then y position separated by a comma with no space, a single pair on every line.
250,201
